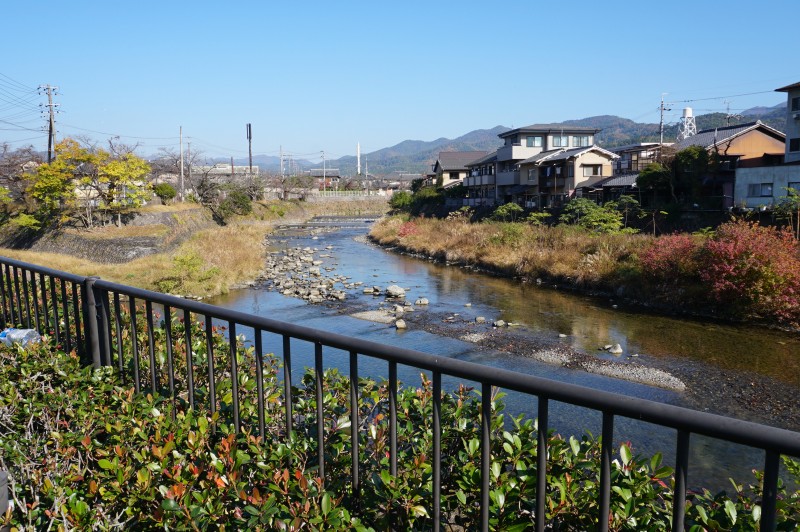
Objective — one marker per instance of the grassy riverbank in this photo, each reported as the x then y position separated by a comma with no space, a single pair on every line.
209,258
742,271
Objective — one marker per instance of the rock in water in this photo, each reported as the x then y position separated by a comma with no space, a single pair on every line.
400,324
616,349
395,292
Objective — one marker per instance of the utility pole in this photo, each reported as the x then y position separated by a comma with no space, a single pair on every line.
189,156
250,148
281,161
662,108
51,137
180,134
324,180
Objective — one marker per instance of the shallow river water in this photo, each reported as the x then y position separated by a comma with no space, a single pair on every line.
692,349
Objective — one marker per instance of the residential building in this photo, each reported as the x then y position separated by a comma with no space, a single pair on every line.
450,167
742,146
525,142
551,177
634,158
765,185
480,183
792,153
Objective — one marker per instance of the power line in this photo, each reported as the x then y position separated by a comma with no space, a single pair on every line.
723,97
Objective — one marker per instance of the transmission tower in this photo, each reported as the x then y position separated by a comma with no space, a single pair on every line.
687,127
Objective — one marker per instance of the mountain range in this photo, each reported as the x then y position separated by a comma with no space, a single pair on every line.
417,156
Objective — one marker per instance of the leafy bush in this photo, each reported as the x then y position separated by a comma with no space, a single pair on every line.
754,271
83,451
507,212
671,258
401,200
589,215
165,192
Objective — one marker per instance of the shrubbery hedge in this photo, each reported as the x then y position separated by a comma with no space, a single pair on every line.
84,451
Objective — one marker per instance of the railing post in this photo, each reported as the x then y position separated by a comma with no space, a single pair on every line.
90,319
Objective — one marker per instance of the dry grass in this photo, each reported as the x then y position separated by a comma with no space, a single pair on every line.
207,263
563,253
224,256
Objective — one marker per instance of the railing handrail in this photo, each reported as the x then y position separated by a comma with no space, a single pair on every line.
705,423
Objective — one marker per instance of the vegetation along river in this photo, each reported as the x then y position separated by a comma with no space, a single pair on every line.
735,370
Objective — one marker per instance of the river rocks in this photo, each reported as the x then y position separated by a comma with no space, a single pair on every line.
399,310
400,324
480,319
395,292
615,349
499,323
421,302
296,272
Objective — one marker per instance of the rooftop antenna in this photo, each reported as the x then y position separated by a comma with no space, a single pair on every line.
687,127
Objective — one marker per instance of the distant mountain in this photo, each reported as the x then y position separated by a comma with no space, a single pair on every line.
418,156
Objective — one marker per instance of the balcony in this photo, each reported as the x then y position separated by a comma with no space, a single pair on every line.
508,178
516,152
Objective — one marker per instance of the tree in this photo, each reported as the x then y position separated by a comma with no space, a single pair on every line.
627,205
589,215
165,192
788,208
108,182
507,212
656,177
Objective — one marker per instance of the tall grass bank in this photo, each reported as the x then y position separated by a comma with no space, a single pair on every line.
741,271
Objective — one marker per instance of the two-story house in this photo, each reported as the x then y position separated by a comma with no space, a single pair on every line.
549,178
525,142
742,146
480,182
450,167
761,186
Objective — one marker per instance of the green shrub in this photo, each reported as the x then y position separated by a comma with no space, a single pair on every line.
83,451
507,212
165,192
400,200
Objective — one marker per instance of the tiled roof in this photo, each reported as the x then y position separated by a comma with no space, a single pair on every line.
458,160
563,154
490,158
549,128
788,88
708,137
636,147
625,180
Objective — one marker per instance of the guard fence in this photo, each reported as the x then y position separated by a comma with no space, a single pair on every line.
87,314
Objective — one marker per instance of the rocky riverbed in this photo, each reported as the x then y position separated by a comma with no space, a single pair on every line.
310,273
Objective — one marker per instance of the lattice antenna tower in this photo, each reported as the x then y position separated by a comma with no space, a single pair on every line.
687,127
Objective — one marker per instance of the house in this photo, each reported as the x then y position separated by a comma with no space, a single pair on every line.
480,183
525,142
743,146
792,154
551,177
325,177
450,167
634,158
765,185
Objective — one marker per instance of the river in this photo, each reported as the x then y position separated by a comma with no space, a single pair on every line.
737,370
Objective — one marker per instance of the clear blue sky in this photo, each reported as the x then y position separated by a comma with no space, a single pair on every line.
314,76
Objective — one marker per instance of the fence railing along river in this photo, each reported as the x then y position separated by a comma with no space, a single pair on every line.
88,314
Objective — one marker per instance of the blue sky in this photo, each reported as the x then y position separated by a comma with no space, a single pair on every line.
312,76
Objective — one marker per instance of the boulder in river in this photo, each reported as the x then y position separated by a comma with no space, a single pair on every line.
400,324
421,302
395,291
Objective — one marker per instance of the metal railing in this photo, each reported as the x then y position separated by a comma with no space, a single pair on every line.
85,313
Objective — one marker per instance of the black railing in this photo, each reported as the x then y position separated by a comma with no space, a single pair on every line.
85,314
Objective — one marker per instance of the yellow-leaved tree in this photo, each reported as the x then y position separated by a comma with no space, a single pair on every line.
90,183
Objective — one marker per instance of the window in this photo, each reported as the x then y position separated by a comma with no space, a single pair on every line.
560,141
453,175
794,144
570,170
533,141
796,103
759,190
592,170
580,140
